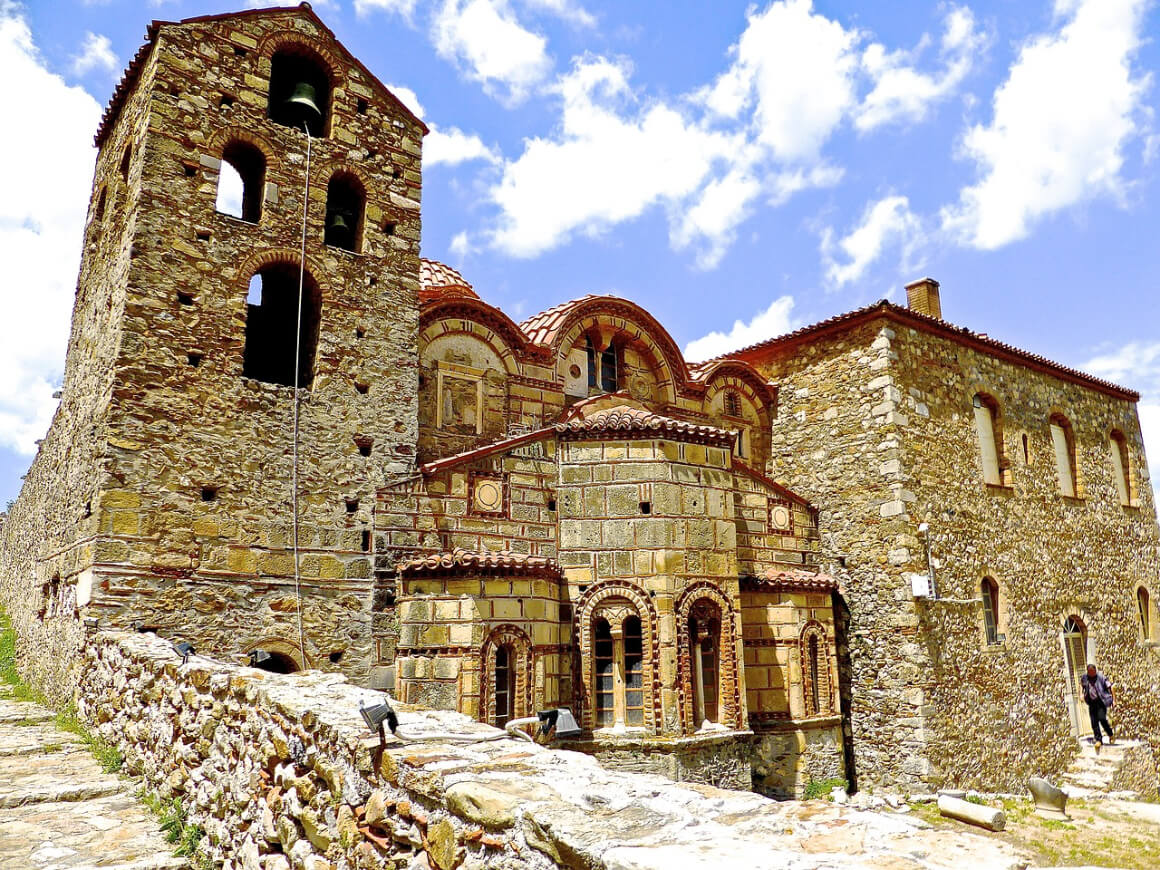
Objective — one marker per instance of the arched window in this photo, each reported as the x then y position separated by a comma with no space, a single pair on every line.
1121,468
241,182
988,425
126,161
817,695
732,404
815,673
604,694
704,641
1063,440
274,662
299,90
504,686
1142,601
345,204
602,367
989,590
272,326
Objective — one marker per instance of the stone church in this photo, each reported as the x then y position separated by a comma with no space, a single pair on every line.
880,548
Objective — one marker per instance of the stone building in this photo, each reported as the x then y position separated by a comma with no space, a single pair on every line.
283,433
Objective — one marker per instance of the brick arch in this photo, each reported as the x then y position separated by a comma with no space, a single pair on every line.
740,376
278,644
301,43
493,340
587,608
825,707
669,372
325,171
730,684
524,667
219,139
256,261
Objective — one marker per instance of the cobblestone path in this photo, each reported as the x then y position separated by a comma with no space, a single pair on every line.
59,810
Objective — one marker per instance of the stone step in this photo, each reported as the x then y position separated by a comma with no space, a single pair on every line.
57,792
40,738
23,713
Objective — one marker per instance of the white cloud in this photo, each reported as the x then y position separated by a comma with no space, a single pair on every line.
96,53
904,93
405,8
1061,121
452,147
887,221
496,50
796,70
773,321
1137,366
566,10
754,136
40,230
408,98
606,166
461,246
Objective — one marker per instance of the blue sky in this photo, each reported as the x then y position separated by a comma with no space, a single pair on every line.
737,169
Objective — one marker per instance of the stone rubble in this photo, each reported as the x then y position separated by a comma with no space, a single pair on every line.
281,773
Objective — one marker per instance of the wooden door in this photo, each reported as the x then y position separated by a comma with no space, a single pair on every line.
1075,657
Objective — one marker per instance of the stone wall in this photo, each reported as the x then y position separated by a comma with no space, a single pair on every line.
878,431
837,442
1051,556
281,773
163,492
786,760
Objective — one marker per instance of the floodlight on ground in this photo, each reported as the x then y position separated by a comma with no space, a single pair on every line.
561,719
258,657
377,715
184,649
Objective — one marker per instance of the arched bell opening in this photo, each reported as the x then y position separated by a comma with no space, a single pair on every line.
345,205
272,328
299,90
241,181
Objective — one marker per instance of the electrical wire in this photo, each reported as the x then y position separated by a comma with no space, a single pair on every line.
298,398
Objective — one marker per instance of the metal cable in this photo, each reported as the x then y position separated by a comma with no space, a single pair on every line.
298,397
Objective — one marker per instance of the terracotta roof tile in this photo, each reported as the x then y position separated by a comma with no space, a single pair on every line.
936,325
624,419
492,561
439,281
541,328
791,578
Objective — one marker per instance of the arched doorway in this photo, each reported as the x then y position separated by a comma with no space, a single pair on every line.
1075,652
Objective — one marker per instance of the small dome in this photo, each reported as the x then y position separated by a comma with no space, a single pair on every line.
438,281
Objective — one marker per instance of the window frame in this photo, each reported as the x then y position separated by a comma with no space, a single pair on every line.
989,592
1065,443
988,416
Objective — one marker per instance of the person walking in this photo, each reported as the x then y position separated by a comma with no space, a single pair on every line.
1097,692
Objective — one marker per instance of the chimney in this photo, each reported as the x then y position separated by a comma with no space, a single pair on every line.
922,297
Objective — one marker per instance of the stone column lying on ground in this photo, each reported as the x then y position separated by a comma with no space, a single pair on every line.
976,814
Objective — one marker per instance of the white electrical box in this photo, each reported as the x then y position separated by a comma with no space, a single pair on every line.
920,585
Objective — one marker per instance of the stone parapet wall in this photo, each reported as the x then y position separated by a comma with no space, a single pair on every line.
280,773
788,759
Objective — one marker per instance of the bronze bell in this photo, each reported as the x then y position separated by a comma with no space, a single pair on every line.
303,103
337,224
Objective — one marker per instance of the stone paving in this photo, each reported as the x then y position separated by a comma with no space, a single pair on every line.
59,810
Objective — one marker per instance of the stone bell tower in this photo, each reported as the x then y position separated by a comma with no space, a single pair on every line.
188,322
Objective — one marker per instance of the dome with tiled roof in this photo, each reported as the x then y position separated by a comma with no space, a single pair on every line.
438,281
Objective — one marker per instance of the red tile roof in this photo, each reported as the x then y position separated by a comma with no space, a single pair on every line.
901,314
624,420
541,328
796,579
490,561
133,70
439,281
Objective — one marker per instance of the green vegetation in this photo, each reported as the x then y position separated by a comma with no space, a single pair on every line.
975,799
175,825
107,755
820,788
8,673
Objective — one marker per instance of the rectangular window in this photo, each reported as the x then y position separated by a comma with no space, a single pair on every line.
1119,450
633,673
990,612
602,654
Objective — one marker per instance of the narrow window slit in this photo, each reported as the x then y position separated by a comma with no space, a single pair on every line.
184,298
209,493
194,359
351,505
366,540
